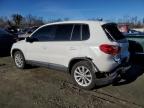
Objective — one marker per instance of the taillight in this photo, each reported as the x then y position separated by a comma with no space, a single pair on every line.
110,49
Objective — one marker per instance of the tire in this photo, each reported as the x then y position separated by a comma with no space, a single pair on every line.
19,60
83,75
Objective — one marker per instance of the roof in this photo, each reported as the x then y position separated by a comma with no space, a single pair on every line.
78,22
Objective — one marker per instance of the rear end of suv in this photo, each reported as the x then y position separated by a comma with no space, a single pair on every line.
93,52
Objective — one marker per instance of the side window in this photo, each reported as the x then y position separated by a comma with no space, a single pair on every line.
85,32
76,36
63,32
45,33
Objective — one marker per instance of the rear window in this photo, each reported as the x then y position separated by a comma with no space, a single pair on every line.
112,31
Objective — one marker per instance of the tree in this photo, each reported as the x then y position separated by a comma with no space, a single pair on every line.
33,21
3,21
143,21
96,19
66,19
17,20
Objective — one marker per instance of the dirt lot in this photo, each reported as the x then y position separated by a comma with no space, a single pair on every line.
44,88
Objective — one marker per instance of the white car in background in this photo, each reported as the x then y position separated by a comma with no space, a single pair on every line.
93,52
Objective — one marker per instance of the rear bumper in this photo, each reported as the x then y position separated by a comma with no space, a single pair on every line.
110,77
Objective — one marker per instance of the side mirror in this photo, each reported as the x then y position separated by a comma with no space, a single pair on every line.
28,39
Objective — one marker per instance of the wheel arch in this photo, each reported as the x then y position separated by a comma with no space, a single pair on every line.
78,59
14,50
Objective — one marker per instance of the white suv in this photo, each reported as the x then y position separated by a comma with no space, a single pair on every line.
93,52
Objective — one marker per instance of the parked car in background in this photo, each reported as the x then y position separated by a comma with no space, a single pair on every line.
26,32
134,33
136,40
6,41
136,46
93,52
31,29
12,30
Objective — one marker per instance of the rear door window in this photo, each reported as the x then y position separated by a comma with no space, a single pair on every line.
76,35
63,32
112,31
